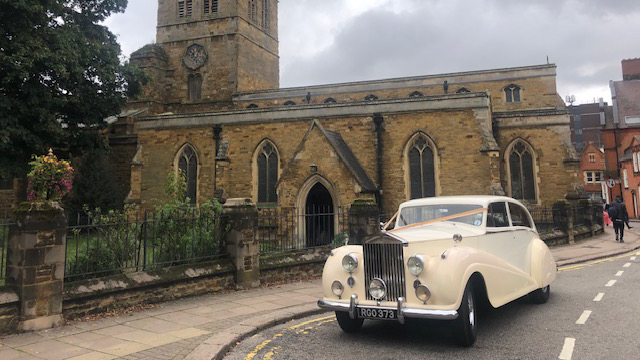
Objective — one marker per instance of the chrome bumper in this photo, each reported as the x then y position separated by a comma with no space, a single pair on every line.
403,312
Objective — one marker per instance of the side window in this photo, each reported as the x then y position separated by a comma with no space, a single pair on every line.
519,215
497,215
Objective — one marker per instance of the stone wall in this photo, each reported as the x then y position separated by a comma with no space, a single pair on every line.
292,266
9,310
7,201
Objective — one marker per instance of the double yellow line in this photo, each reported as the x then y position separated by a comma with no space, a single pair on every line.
591,263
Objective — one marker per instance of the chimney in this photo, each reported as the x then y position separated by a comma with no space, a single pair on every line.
631,69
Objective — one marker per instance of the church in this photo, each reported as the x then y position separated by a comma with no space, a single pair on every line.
215,112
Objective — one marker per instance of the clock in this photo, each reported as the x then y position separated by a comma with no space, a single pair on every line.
195,56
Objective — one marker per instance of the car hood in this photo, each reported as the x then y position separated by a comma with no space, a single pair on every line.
437,231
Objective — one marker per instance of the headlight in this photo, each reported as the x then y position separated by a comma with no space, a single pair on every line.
415,264
377,288
349,262
337,288
423,293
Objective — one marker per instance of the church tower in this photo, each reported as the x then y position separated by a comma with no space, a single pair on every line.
212,49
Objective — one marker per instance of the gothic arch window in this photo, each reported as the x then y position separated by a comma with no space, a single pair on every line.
370,97
252,106
521,165
416,94
252,11
512,93
187,166
421,164
289,103
194,86
210,7
330,101
463,90
267,166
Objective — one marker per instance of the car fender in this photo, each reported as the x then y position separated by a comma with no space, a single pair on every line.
543,265
333,271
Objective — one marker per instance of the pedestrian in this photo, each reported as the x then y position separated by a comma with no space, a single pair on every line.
619,215
605,215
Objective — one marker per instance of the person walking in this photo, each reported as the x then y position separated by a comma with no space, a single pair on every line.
619,215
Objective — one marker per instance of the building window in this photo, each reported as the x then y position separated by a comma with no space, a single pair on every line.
422,177
185,8
188,167
592,157
210,7
416,94
512,93
463,91
635,162
592,177
267,162
252,11
265,14
625,178
521,171
194,85
370,97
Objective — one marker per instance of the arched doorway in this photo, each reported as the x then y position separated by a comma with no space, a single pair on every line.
319,216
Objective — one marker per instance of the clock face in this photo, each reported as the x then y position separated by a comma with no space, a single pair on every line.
194,57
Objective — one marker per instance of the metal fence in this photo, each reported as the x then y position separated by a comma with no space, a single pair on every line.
548,219
106,244
285,229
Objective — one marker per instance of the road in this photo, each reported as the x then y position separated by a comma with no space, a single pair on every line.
592,314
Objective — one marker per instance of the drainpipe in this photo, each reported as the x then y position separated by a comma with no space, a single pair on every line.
217,129
378,120
616,124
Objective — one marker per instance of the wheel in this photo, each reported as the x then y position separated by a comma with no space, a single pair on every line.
465,324
540,296
348,324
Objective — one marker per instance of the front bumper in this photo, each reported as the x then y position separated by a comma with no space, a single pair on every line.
403,312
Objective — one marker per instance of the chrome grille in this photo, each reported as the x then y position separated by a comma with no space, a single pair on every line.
385,261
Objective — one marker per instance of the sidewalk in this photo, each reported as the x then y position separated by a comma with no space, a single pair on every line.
204,327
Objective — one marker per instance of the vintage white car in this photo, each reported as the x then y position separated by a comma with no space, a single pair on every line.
443,257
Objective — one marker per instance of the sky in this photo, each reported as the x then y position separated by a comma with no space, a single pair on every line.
332,41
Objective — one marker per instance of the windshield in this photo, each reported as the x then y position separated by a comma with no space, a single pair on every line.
469,214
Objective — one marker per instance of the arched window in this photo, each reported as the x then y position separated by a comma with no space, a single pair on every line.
463,90
188,167
421,162
416,94
194,85
267,164
330,101
289,103
252,106
370,97
512,93
521,166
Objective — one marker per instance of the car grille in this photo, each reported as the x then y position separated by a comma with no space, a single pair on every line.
385,261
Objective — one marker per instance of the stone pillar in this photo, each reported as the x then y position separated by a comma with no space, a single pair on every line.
364,221
241,242
35,263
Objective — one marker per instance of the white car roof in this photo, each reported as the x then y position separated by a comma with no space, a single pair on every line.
482,200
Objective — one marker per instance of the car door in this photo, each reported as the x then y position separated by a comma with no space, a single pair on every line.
523,233
499,237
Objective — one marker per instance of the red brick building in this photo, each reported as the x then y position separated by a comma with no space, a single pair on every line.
621,136
592,169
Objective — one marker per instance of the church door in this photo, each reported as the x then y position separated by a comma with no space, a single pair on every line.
319,217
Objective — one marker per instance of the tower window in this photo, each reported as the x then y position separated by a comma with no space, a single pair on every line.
512,93
265,14
252,11
185,8
210,6
194,85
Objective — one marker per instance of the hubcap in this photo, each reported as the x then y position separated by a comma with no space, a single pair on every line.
472,315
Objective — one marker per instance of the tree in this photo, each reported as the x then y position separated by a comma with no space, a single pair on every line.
60,76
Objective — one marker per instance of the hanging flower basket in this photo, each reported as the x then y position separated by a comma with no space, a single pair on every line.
50,179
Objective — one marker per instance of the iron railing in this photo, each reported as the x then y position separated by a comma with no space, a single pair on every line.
100,245
285,229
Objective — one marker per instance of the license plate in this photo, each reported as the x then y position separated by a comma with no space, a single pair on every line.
381,314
